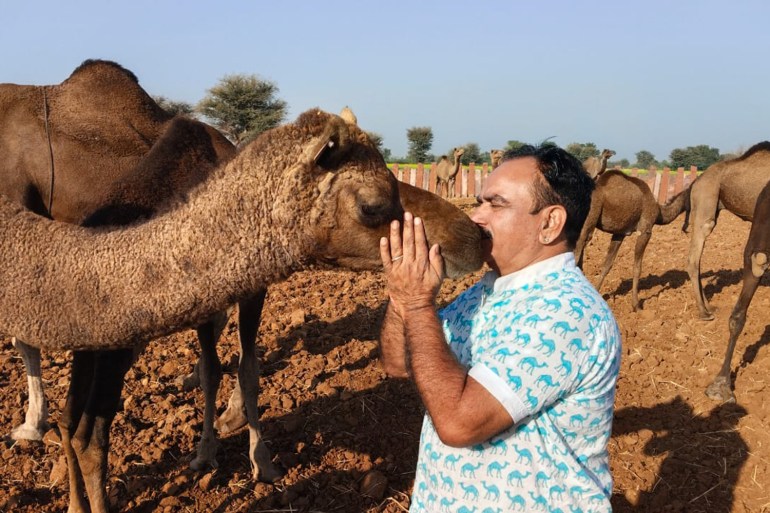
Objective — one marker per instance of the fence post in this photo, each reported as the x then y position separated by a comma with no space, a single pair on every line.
679,187
693,173
469,182
419,179
634,172
655,181
663,191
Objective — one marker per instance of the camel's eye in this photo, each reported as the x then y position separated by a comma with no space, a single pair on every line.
375,214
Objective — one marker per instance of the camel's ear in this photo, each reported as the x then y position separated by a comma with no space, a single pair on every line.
348,116
330,147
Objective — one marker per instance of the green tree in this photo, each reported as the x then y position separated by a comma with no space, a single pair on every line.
645,159
174,107
377,140
243,106
472,154
701,156
623,163
583,150
514,145
420,142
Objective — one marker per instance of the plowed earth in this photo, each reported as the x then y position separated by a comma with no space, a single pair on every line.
348,436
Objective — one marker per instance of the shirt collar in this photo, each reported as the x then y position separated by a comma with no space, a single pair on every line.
494,283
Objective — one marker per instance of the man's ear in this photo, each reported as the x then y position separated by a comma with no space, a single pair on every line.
553,220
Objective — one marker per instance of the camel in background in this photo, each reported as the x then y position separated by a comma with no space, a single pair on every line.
730,184
446,172
596,166
622,205
756,259
495,156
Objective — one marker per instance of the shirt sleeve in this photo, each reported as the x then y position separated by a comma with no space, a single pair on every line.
500,390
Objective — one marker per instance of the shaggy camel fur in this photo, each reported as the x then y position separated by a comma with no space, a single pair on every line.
313,192
446,172
596,166
756,259
495,157
97,150
622,205
733,185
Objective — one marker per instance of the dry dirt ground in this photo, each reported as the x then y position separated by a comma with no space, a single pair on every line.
337,424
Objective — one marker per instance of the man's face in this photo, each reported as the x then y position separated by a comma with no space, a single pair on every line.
503,213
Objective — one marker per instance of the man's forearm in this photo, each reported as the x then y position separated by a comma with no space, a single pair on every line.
393,344
439,377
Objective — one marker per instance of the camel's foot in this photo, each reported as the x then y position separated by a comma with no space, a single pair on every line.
190,381
720,390
262,466
28,431
233,418
706,316
206,457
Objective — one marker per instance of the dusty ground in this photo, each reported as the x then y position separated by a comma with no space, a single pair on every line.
331,417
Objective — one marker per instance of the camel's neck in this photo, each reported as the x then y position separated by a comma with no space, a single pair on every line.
87,289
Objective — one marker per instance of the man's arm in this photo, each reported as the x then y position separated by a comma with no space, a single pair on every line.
463,411
393,344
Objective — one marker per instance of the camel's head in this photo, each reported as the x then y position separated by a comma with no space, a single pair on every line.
353,197
607,154
446,225
495,157
458,152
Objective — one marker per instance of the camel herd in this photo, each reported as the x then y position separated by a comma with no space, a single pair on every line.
164,226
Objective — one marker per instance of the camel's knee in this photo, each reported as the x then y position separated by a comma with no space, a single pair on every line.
759,263
737,321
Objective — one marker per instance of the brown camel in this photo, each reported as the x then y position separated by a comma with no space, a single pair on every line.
315,192
112,158
730,184
622,205
446,172
97,150
596,166
495,156
756,259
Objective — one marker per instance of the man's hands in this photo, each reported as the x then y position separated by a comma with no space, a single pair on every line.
414,271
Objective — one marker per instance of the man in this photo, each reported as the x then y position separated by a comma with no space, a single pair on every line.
517,374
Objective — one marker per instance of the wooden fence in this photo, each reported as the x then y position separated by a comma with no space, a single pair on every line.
664,183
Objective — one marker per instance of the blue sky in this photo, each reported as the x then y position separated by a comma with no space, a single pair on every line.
630,76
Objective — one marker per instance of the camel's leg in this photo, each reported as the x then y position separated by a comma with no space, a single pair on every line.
450,188
581,246
704,219
249,318
612,252
36,419
249,313
592,219
210,373
191,381
83,363
92,438
641,245
721,389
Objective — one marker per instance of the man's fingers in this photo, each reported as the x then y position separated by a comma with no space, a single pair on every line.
437,261
395,239
385,254
420,240
408,242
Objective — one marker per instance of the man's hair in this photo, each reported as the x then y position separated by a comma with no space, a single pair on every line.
563,182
